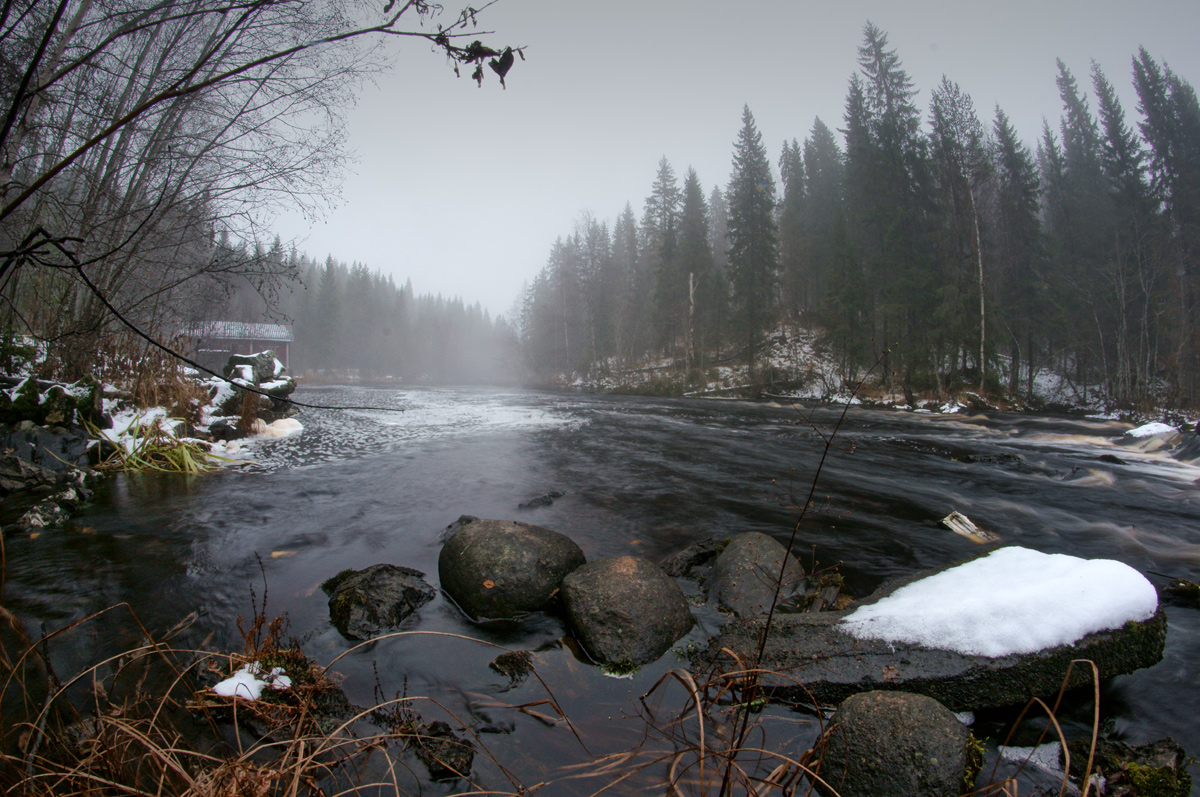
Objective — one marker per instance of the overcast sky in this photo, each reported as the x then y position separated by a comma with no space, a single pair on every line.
463,189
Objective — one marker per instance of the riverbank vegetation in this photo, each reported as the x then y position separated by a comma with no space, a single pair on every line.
981,263
146,146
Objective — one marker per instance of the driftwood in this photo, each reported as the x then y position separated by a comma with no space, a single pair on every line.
960,524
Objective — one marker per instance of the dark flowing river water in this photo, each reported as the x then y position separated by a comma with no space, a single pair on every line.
640,476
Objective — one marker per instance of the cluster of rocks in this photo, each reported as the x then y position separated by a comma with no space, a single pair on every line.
243,411
894,731
49,464
51,403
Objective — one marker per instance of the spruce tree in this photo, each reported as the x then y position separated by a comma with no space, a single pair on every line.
1132,268
1019,248
717,290
1171,127
695,261
961,167
825,172
1080,215
793,268
888,178
628,295
753,238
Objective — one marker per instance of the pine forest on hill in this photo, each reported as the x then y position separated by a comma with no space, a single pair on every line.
939,242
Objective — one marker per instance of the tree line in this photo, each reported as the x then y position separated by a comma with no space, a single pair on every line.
349,320
938,241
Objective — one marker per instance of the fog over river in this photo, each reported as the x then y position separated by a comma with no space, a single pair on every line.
640,476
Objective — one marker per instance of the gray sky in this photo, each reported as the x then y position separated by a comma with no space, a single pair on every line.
463,189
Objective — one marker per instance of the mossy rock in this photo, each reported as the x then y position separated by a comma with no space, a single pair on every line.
362,603
26,404
1155,769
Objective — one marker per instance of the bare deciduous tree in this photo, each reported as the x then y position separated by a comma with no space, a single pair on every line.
135,133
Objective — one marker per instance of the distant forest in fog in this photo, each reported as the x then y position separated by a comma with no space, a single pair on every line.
348,319
943,237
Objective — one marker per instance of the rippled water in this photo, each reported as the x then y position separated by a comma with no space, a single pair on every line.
640,476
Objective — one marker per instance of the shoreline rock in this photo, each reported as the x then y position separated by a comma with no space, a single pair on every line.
811,657
895,743
625,611
744,574
501,569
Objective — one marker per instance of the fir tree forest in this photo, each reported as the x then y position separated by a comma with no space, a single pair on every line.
933,239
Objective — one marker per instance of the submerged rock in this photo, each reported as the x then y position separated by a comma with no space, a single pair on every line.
443,753
625,611
694,560
364,602
893,743
542,500
516,665
815,657
744,576
496,569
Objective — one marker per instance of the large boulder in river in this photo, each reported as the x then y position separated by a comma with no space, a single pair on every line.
495,569
823,657
744,576
891,743
262,372
253,368
364,602
625,611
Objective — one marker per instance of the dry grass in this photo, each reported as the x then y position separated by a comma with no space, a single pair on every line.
140,723
154,448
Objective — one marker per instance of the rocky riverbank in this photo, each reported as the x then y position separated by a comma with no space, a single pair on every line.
892,694
57,439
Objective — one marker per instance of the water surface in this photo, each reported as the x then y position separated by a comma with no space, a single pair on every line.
640,476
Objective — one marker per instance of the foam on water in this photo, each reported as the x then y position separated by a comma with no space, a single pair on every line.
403,417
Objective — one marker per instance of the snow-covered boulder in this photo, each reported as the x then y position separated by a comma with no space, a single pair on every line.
263,367
265,374
992,631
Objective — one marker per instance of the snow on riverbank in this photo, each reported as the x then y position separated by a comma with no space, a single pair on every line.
249,682
1149,429
1011,601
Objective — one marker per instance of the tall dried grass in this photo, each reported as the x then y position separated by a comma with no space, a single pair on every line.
141,723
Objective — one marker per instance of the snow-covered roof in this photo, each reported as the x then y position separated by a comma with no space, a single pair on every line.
241,330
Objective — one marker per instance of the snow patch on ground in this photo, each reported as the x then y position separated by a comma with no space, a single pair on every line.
1148,429
284,427
1047,757
1011,601
249,682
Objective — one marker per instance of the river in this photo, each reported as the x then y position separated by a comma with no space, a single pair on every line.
639,476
